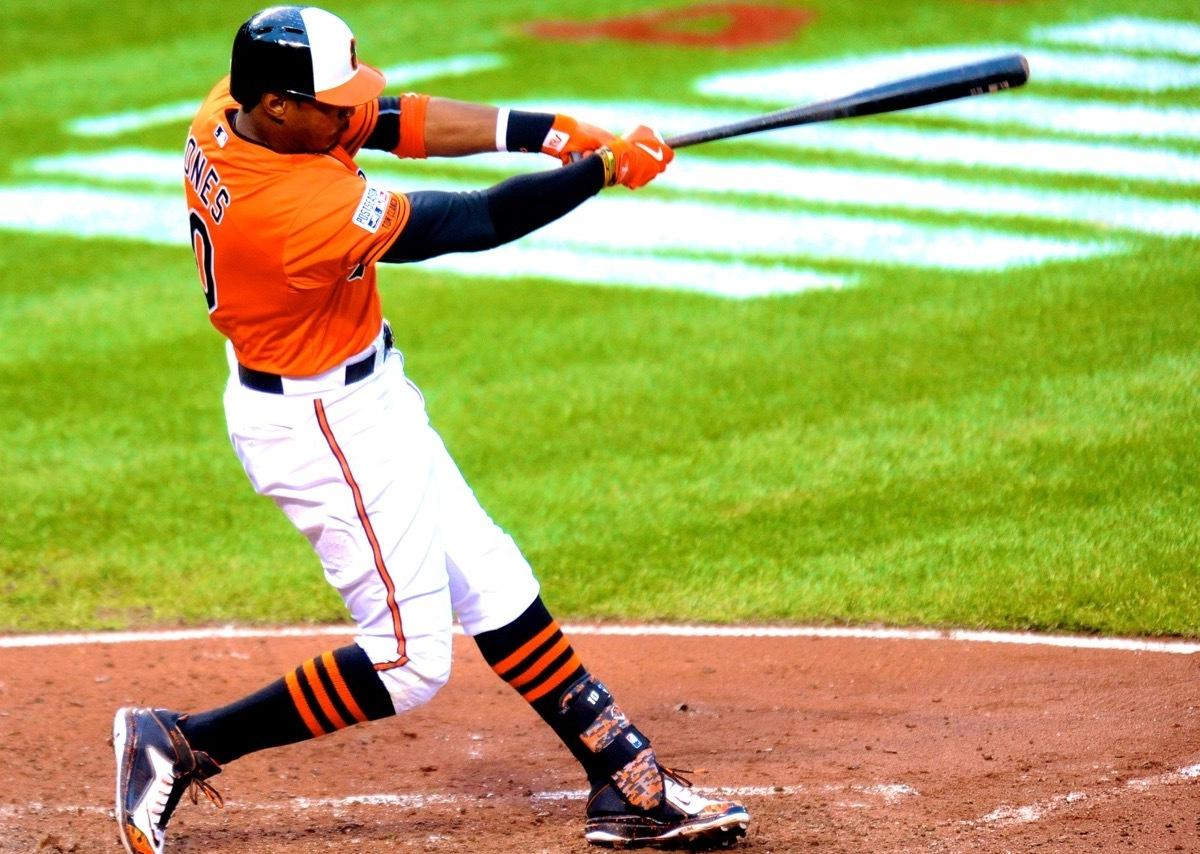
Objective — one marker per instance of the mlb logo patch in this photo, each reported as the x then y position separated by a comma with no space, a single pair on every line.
371,209
221,135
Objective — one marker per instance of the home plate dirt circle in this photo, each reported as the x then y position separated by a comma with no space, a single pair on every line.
916,743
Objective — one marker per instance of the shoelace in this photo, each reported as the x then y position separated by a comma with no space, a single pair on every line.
196,786
677,775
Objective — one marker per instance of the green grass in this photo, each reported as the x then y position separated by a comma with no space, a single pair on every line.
949,455
982,450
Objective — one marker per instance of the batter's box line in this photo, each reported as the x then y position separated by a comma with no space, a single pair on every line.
1010,816
233,632
889,793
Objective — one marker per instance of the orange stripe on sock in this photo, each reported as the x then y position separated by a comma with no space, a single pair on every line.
513,660
556,681
318,689
306,713
339,685
538,667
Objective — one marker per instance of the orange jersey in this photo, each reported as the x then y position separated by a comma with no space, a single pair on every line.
286,244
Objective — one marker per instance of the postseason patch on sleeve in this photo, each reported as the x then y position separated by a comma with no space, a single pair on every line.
372,208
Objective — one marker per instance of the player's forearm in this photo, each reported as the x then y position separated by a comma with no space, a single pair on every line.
458,128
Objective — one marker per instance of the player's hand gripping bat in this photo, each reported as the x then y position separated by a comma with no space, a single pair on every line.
979,78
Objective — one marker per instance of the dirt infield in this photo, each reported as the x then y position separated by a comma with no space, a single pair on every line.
835,745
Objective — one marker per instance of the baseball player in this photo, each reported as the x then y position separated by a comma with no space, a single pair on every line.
287,231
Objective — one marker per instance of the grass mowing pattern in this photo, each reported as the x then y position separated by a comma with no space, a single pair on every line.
987,451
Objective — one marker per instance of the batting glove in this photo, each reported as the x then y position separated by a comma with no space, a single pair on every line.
635,159
569,139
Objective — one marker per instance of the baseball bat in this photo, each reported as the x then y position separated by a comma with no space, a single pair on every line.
978,78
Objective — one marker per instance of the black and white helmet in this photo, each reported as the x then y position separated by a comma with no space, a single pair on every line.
301,51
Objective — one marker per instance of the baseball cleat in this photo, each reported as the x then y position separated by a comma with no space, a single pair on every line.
684,819
155,765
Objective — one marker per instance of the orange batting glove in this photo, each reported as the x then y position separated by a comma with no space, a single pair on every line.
568,139
635,159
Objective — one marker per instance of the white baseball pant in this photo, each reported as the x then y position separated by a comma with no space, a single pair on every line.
359,471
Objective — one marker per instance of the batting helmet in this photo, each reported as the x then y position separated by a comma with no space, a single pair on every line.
301,51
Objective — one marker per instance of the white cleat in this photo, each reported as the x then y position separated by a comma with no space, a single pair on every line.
685,819
155,766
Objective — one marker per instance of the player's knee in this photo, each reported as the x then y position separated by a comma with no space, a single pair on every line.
491,588
417,681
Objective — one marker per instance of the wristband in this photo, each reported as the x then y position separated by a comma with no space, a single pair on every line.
524,131
502,129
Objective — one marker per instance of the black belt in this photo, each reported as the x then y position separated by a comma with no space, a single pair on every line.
355,371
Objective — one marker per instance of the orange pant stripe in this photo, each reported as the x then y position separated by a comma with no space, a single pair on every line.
380,567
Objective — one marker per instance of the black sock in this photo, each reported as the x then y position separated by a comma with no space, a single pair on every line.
322,695
533,656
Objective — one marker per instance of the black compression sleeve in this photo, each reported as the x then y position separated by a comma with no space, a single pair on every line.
527,202
386,135
441,223
469,222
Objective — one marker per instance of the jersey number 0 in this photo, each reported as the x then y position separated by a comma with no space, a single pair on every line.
203,248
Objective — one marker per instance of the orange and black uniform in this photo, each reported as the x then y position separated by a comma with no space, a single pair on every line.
327,425
286,247
286,243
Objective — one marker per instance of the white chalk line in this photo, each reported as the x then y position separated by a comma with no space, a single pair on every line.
889,794
652,226
826,78
1127,34
900,144
1010,816
736,179
645,630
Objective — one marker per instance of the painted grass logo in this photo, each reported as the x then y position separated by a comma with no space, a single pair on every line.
728,25
984,185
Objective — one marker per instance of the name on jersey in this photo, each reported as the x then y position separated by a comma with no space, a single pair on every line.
372,209
205,180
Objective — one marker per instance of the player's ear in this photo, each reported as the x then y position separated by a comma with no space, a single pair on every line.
274,105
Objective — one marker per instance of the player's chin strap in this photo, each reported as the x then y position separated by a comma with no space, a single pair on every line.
624,753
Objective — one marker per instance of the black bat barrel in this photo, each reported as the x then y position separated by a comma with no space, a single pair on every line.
979,78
